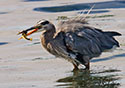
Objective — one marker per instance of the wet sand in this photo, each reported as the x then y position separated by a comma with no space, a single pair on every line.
25,64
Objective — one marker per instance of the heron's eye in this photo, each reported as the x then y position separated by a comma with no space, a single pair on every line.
45,22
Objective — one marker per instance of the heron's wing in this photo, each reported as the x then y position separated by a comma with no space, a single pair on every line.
89,41
84,41
104,39
84,45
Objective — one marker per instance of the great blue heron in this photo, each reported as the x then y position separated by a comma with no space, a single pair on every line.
74,40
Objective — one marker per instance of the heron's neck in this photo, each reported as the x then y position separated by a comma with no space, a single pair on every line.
47,36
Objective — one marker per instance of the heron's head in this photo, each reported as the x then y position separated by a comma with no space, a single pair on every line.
42,25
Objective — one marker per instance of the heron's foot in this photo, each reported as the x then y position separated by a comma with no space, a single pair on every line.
87,67
75,69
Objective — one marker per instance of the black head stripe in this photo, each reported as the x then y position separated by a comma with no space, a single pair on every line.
45,22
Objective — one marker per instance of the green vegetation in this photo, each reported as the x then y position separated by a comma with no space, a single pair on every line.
62,18
101,16
122,44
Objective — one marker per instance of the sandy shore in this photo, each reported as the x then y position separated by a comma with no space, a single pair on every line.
25,64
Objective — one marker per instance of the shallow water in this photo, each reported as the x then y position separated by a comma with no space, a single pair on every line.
91,79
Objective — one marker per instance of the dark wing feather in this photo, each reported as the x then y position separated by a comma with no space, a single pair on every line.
104,39
84,44
83,41
112,33
88,42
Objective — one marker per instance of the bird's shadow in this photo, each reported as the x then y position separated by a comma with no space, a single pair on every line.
74,7
90,79
108,58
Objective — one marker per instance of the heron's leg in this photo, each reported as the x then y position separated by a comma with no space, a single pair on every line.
75,67
87,66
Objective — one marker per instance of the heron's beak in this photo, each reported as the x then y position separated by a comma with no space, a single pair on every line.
31,30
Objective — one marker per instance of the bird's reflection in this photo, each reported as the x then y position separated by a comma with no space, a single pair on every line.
90,79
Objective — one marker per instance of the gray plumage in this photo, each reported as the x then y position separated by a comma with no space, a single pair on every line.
75,41
79,43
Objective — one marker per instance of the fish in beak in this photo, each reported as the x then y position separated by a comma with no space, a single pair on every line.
31,30
41,25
